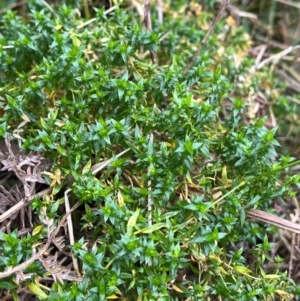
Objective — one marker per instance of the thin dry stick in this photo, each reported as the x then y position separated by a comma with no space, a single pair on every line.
147,16
24,202
94,19
235,11
290,3
99,166
71,232
291,71
260,54
149,189
277,57
274,220
213,24
295,217
27,263
292,255
148,25
160,11
48,6
290,81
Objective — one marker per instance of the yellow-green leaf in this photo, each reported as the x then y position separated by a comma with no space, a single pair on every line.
177,289
224,175
56,189
153,228
61,150
284,294
132,220
242,270
112,297
120,199
224,271
37,230
87,167
43,123
76,41
37,290
272,276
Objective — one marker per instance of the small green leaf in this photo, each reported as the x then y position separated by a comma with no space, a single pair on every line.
57,188
152,228
87,167
169,214
43,123
3,129
61,150
102,289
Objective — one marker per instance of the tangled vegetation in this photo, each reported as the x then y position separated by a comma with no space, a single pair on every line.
136,173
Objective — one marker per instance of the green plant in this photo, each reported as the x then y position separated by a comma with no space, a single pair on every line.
180,164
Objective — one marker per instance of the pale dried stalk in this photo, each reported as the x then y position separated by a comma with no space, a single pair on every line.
149,189
160,11
274,220
71,232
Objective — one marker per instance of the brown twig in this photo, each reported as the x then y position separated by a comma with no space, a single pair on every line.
213,24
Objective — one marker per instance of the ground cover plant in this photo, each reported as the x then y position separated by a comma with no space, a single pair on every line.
130,171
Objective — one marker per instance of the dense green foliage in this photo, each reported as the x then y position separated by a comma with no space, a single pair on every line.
195,162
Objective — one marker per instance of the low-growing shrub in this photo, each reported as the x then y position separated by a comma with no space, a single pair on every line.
162,164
